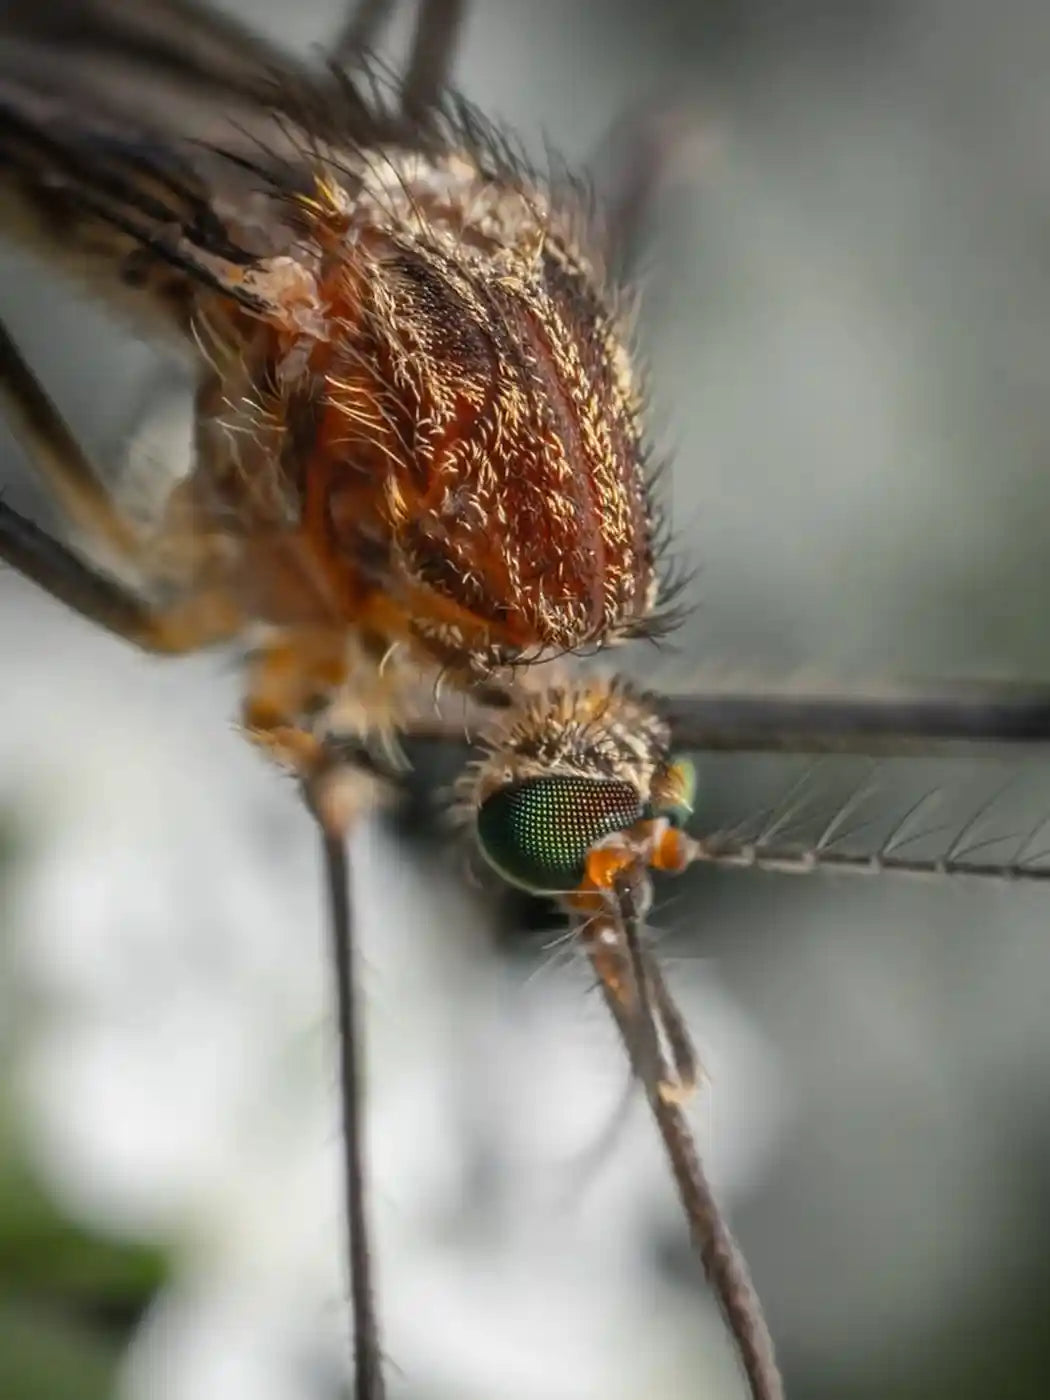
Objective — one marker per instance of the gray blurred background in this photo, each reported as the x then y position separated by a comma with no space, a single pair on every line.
848,318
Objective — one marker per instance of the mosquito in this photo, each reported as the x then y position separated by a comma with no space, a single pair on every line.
420,469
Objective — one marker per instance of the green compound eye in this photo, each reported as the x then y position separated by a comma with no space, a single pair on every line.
679,793
537,833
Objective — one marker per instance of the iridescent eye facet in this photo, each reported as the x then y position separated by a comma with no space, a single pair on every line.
537,833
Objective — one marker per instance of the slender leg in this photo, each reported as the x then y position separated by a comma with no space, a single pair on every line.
639,157
57,457
359,32
431,56
57,570
433,52
331,798
284,680
198,621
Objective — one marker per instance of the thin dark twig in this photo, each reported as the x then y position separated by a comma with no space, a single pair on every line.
607,943
368,1370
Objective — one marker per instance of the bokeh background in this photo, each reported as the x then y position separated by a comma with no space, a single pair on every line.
848,317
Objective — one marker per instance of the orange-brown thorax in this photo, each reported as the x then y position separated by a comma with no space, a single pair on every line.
438,420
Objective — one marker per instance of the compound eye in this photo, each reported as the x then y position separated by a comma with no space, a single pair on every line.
537,833
677,792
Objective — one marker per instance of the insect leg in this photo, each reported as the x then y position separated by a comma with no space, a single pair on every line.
332,798
57,570
433,51
639,158
187,625
368,1370
360,30
431,56
57,456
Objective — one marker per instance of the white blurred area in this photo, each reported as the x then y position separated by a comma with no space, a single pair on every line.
848,316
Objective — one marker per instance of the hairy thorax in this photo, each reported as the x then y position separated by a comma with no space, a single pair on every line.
433,433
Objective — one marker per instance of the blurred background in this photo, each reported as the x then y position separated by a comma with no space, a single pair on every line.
847,314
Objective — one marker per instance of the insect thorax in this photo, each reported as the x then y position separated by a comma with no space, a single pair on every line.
443,406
